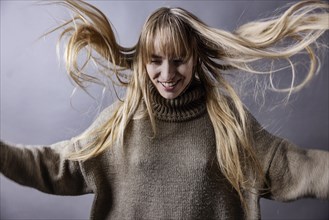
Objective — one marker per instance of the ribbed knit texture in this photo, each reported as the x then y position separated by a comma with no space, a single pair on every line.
188,105
173,175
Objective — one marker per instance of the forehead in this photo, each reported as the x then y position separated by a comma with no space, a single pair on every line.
168,35
160,47
166,44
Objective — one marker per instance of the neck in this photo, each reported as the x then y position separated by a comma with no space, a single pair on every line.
188,105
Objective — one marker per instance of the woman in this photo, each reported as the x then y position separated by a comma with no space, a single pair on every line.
181,144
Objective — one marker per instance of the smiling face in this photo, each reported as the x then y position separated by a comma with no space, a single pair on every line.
170,75
167,51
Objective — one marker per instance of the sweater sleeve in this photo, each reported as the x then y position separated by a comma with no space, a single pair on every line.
291,172
46,167
43,167
295,172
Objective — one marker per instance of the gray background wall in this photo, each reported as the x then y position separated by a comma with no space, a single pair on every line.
36,107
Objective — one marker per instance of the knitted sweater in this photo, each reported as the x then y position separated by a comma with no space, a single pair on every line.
173,175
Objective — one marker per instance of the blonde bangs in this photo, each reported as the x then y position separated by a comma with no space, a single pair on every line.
173,38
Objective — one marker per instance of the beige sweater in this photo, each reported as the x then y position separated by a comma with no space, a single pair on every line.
171,176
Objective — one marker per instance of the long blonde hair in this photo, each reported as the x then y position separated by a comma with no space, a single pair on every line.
183,34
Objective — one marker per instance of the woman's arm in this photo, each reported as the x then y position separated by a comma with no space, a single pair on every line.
47,168
43,167
291,172
296,172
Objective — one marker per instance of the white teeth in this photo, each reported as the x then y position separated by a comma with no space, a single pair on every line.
169,84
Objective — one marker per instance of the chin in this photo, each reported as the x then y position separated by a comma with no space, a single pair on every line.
169,96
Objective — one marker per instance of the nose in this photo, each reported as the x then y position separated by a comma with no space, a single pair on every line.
168,71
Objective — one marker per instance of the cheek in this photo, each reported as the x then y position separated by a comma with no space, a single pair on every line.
187,71
150,71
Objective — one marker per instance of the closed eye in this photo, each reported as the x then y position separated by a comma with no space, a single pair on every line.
156,61
178,61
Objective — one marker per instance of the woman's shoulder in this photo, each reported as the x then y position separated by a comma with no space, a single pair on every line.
103,116
109,110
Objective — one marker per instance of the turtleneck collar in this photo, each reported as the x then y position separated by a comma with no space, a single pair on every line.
190,104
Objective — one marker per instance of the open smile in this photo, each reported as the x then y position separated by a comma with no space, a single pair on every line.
169,84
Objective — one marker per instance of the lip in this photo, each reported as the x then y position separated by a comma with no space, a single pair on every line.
169,86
